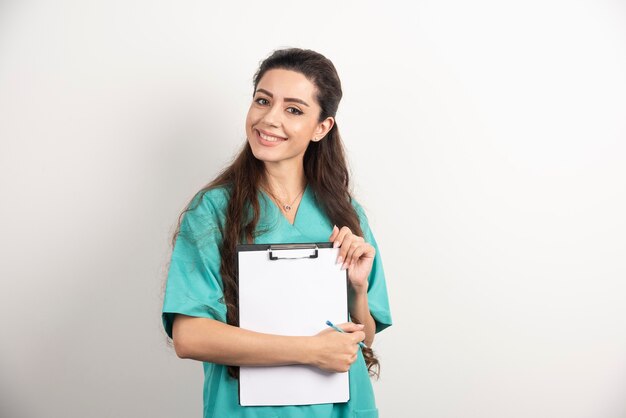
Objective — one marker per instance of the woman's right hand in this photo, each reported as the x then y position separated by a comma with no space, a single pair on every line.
334,351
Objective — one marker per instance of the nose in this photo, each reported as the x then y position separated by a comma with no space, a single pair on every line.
271,116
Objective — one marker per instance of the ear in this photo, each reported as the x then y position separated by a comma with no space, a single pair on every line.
322,129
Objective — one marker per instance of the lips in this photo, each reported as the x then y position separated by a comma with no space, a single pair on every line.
268,140
269,137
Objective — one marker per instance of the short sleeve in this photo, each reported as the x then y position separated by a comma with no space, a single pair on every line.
194,285
377,296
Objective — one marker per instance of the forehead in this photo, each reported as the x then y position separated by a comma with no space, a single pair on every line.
287,83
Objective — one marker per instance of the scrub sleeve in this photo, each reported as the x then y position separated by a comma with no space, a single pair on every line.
194,288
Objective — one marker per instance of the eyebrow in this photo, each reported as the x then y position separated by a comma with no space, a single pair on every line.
287,99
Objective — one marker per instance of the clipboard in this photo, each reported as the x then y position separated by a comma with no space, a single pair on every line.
291,289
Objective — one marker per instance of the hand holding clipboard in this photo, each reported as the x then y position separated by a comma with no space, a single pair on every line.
355,254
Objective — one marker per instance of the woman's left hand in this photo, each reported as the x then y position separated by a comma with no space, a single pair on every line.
356,255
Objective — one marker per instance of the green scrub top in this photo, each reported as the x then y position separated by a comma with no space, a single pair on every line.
194,288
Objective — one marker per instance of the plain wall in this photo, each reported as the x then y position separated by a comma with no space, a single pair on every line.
487,144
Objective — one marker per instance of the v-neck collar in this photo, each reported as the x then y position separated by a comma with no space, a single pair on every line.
299,211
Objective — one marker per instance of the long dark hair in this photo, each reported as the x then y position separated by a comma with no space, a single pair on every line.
325,169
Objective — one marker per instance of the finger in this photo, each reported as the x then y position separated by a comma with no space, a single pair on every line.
343,241
342,234
350,327
344,249
358,336
348,241
334,234
370,251
353,254
364,251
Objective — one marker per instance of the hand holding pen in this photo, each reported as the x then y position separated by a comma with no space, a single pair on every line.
336,351
336,328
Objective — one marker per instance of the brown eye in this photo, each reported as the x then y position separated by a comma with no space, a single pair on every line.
262,101
294,110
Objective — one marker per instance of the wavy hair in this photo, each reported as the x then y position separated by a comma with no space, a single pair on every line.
325,169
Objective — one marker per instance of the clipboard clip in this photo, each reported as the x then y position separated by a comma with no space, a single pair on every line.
282,247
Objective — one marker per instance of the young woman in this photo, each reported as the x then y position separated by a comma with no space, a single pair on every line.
289,184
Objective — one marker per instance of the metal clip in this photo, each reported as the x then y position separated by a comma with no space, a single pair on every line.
282,247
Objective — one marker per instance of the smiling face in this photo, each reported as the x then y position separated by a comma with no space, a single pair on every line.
284,117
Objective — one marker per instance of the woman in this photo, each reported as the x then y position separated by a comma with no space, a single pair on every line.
289,184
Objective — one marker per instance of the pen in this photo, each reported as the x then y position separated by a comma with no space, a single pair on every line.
336,328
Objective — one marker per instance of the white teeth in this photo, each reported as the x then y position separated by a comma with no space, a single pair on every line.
269,138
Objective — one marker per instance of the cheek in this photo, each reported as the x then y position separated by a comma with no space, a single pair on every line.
303,129
250,118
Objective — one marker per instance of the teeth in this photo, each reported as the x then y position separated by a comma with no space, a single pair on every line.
269,138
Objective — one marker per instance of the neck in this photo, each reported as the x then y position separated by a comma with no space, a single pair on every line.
285,181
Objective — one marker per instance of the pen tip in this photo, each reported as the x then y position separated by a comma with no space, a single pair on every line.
329,323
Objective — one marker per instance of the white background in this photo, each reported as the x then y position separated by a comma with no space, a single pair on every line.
487,143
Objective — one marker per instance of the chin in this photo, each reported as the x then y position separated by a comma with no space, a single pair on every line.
264,156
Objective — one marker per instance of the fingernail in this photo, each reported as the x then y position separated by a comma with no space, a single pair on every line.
335,244
361,325
339,260
344,266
